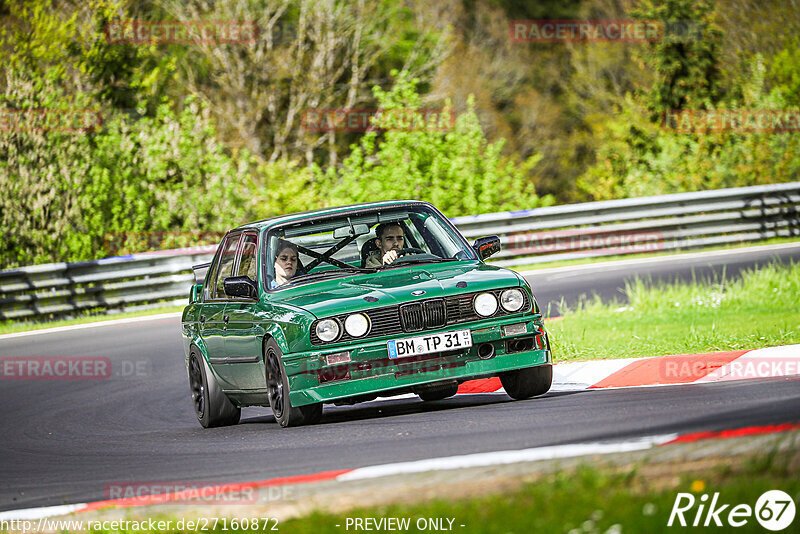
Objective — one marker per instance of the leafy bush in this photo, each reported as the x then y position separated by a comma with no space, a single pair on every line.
63,193
455,167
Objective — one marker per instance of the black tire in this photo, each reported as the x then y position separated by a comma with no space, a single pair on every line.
438,391
278,392
211,406
528,382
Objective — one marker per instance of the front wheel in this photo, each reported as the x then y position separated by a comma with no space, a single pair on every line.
528,382
278,392
211,406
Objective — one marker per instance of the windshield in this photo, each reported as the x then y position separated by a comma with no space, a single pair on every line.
364,242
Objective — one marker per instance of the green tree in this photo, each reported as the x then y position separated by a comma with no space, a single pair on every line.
686,60
455,167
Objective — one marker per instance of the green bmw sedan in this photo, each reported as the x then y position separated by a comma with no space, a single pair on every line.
343,305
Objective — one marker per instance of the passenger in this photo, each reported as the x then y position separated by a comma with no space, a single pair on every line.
286,261
389,240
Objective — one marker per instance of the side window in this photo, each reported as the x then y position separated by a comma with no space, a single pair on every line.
225,268
248,262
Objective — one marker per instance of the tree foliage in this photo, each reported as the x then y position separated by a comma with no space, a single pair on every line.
447,162
197,137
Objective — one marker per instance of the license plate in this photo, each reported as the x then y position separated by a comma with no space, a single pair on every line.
414,346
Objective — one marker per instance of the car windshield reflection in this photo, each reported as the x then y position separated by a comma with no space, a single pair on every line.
360,243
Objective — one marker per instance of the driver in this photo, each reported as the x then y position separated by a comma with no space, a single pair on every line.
389,240
286,261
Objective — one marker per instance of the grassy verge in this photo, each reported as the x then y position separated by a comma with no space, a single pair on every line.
759,310
10,327
586,261
633,498
586,501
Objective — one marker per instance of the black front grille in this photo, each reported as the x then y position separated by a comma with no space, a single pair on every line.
459,309
435,314
384,321
419,316
412,317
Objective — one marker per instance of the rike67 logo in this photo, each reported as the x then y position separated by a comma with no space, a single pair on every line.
774,510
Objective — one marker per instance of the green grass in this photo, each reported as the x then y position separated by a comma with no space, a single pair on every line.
759,310
587,261
10,327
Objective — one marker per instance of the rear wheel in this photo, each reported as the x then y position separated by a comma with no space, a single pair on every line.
211,406
278,392
436,392
528,382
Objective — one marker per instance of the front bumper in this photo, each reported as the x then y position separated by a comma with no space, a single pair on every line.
370,370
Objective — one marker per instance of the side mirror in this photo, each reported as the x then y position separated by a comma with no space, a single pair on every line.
486,246
195,292
200,272
241,287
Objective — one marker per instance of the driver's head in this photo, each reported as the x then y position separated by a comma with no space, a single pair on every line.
286,259
390,236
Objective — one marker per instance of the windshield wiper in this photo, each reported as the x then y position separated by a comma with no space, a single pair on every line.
329,273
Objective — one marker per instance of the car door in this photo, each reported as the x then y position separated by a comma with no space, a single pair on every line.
242,366
213,323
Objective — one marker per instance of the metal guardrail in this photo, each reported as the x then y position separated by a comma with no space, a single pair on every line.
123,283
640,225
592,229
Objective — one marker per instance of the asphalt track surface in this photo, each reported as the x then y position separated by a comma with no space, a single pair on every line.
65,441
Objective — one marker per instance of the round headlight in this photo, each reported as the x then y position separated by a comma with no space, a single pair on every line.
485,304
327,330
357,324
511,300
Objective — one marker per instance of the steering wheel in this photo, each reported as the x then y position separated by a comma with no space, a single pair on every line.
410,250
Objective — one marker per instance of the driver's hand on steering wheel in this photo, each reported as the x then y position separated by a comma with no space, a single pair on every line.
389,257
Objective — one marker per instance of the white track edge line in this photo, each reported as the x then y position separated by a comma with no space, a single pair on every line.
40,513
94,324
484,459
671,257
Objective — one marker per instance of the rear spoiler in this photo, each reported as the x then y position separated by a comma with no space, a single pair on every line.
200,272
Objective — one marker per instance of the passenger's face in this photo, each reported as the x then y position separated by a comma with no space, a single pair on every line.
392,239
286,263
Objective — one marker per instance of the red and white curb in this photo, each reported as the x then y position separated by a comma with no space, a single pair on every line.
664,370
403,468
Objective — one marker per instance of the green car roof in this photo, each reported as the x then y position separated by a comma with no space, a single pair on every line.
312,214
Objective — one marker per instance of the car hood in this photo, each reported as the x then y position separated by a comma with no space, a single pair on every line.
395,286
